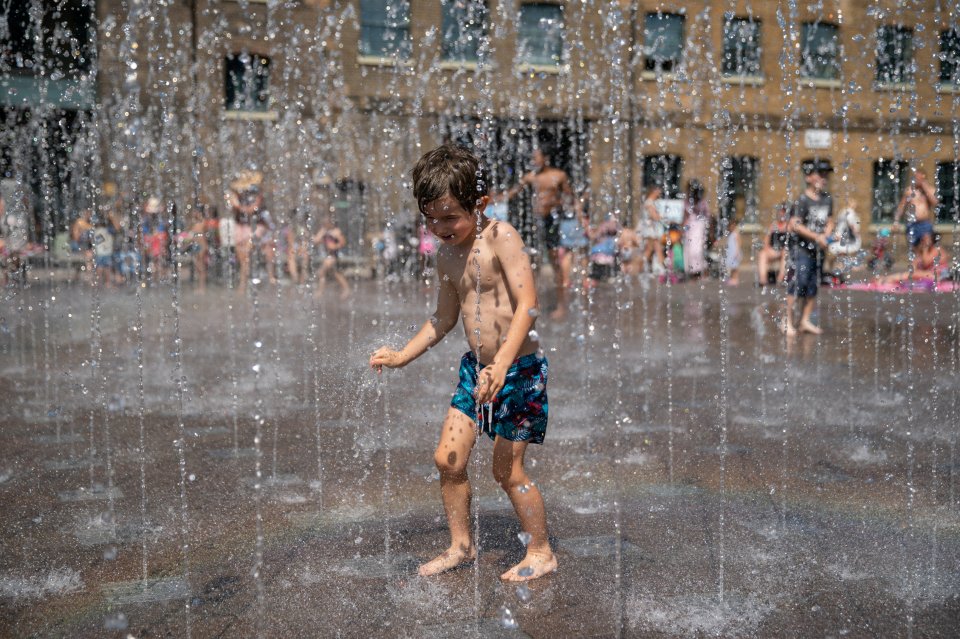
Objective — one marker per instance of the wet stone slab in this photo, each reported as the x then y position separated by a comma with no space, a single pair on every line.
208,431
56,440
599,546
378,567
483,629
148,591
71,463
232,453
88,494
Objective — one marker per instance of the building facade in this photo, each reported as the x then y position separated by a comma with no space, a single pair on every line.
334,100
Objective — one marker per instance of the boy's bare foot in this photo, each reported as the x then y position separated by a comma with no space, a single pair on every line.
533,565
788,329
447,560
807,327
345,295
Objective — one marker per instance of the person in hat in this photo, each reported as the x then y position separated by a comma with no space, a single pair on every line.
810,225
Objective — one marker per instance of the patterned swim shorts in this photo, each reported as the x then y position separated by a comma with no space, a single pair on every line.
519,412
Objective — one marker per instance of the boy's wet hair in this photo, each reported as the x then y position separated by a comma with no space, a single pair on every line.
449,169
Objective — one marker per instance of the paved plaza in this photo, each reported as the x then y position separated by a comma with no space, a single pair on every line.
703,475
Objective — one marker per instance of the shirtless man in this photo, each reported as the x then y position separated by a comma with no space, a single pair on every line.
552,195
918,203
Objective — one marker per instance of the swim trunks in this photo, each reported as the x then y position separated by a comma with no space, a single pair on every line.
551,228
519,412
916,231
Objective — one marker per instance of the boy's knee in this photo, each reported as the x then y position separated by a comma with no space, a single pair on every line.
449,462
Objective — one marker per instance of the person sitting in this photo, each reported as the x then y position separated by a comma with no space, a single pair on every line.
774,244
931,263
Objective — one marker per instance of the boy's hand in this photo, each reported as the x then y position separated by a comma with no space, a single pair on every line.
386,356
489,383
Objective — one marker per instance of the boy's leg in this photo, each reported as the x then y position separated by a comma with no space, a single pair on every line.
526,499
452,454
787,324
806,325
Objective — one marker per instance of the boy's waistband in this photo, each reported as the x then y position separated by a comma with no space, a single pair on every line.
522,361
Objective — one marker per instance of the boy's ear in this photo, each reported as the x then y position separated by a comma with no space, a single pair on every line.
482,203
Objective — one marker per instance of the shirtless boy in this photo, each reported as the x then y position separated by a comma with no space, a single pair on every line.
481,265
918,203
552,196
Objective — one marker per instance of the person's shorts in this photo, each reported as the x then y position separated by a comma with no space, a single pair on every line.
519,412
804,275
104,261
916,230
551,229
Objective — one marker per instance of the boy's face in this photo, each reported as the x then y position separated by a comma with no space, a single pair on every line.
447,219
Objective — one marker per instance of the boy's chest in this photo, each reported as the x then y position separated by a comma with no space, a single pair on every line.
479,271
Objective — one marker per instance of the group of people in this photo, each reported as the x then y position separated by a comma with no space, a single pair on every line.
682,239
118,247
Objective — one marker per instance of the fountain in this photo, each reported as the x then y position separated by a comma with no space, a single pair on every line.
220,461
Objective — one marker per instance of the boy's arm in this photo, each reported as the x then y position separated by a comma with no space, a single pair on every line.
515,266
516,188
429,335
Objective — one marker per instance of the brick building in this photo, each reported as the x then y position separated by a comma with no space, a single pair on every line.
335,100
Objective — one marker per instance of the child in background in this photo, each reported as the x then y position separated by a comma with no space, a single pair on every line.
502,389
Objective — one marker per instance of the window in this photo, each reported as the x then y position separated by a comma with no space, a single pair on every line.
738,179
948,192
247,82
819,51
950,57
741,47
464,28
540,39
662,41
889,180
894,55
385,29
663,170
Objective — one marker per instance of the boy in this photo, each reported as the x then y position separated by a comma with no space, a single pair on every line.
810,225
485,279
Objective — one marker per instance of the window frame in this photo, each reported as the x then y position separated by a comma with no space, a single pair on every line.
402,51
480,31
805,52
905,65
672,167
740,72
942,216
877,215
730,166
523,56
259,97
653,64
954,80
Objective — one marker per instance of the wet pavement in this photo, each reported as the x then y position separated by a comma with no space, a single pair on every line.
703,475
